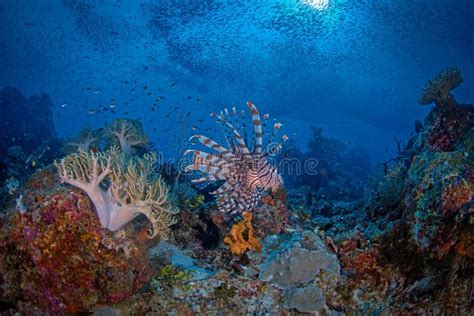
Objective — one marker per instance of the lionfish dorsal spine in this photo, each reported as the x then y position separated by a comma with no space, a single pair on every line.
244,125
241,145
257,127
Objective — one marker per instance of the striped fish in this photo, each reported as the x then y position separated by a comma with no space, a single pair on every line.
245,170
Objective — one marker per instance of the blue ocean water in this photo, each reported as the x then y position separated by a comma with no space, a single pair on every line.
131,183
354,68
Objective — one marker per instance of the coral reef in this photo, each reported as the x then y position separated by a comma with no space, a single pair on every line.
128,134
295,266
448,127
56,257
426,198
134,189
332,170
27,137
312,247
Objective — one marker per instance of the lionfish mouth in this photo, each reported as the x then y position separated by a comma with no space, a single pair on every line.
240,190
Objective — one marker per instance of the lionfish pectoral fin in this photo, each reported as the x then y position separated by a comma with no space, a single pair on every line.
208,158
206,141
226,186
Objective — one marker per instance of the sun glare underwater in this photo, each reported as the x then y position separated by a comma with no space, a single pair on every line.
214,157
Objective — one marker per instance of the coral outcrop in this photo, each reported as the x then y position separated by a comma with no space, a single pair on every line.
422,256
56,258
294,269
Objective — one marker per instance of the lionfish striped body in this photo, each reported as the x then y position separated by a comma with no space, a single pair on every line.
246,173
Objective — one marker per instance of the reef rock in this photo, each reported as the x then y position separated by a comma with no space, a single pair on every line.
306,300
294,269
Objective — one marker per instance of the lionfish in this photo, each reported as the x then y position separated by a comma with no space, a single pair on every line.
245,170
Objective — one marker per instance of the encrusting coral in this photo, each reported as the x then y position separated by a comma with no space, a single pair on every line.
242,236
437,89
128,134
132,188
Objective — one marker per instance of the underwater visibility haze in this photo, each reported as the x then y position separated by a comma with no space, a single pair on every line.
248,157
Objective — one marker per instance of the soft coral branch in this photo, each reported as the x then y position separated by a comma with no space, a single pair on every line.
134,189
86,172
128,134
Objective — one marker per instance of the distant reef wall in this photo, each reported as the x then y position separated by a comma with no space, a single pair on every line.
25,122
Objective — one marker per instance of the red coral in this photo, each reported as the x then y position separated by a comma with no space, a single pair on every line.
448,128
455,197
362,263
444,135
465,245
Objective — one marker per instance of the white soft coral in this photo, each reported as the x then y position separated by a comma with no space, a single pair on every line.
86,139
128,134
133,189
